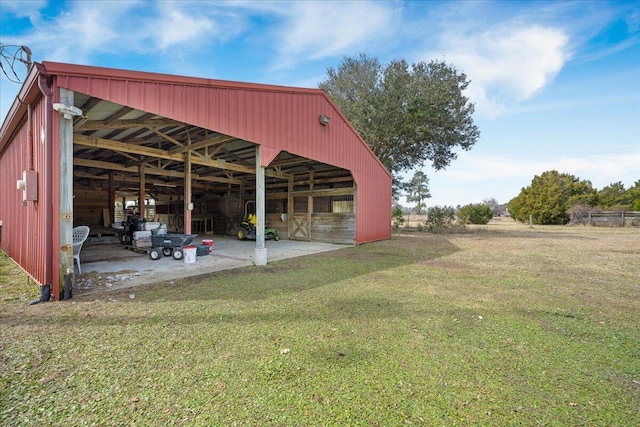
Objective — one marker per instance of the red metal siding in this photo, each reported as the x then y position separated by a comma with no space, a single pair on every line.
372,217
278,118
23,225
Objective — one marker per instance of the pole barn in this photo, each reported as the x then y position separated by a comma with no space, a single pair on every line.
81,144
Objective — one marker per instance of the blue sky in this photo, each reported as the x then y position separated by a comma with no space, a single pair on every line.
556,84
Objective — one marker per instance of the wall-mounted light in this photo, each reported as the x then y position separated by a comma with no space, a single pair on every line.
69,112
324,120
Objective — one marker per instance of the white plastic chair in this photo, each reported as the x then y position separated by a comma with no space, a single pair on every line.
80,234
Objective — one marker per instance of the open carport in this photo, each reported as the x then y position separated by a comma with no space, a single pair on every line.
86,144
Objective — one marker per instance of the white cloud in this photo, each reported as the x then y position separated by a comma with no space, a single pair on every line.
507,65
192,24
84,29
177,28
87,29
21,8
316,30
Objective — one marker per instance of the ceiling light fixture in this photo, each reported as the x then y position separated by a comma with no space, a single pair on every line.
69,112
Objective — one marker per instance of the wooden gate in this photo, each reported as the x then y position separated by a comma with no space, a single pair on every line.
300,226
300,218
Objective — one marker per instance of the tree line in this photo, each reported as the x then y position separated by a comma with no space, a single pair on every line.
551,197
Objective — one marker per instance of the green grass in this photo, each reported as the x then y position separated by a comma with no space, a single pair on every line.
503,326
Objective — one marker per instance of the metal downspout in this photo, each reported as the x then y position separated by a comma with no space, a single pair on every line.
30,135
45,85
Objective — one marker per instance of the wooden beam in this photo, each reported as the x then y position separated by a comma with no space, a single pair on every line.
347,191
167,137
216,140
122,147
93,125
128,180
106,144
151,171
103,165
116,115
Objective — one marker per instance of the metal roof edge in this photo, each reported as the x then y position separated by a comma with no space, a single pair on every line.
59,68
28,92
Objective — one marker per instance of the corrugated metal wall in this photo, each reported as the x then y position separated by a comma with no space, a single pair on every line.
23,225
275,117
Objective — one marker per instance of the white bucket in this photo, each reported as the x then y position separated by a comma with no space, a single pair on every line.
189,254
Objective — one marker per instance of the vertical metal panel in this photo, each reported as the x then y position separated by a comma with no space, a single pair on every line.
282,119
23,223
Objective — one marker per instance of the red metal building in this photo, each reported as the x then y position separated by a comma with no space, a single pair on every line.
76,128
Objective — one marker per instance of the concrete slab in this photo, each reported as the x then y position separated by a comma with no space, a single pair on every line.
112,266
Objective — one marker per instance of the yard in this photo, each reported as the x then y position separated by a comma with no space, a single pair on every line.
502,325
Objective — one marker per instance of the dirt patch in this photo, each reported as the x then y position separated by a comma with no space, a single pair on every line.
95,280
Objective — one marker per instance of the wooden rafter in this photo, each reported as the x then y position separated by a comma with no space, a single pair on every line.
95,125
217,140
149,171
167,137
116,115
121,147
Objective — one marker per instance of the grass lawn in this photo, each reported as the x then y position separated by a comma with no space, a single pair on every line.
505,325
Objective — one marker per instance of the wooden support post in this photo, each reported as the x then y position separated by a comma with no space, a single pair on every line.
261,252
143,190
65,189
290,206
188,206
310,204
112,198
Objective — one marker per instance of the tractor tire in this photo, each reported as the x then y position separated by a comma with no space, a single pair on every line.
155,254
241,234
277,237
178,254
167,251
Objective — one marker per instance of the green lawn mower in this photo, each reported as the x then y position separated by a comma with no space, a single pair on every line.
247,229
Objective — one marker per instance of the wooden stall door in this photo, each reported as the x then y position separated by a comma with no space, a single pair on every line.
300,219
300,226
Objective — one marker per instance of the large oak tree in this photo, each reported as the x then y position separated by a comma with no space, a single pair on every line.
408,114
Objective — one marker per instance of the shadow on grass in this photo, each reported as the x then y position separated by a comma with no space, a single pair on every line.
178,320
303,273
280,278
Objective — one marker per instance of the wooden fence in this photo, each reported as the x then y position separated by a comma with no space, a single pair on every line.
619,219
